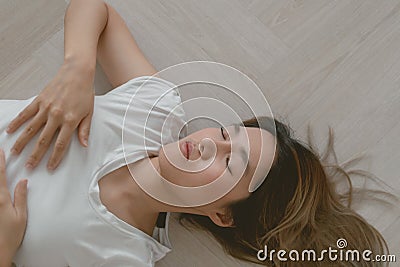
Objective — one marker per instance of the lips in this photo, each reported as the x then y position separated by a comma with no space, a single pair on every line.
186,149
189,147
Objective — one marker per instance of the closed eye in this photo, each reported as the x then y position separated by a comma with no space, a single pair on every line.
227,158
222,132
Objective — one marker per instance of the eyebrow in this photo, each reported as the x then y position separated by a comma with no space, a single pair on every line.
243,152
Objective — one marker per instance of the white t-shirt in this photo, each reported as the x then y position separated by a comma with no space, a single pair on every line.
67,223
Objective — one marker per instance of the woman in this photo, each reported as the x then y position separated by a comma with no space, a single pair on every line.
92,213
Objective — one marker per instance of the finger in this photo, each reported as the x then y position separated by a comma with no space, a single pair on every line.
29,132
23,116
84,130
20,197
3,179
60,146
43,143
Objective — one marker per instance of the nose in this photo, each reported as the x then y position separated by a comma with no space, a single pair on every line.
209,147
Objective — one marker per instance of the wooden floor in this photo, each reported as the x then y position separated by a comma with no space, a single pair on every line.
319,62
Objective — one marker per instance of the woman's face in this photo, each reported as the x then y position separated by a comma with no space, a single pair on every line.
212,153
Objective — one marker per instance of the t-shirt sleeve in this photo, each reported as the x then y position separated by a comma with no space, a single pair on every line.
149,90
149,109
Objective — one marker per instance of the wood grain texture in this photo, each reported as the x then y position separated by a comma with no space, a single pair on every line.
318,62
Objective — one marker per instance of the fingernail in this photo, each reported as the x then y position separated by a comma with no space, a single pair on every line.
85,141
25,183
14,151
50,167
29,165
8,129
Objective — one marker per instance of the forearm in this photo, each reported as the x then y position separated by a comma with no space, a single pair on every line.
84,21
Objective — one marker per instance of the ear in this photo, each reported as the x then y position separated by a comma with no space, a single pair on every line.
222,218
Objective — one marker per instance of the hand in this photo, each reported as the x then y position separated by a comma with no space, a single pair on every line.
64,104
12,216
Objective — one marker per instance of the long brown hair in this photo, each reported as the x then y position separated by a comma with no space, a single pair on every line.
297,207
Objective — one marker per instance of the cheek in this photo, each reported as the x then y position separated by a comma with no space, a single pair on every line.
209,175
180,177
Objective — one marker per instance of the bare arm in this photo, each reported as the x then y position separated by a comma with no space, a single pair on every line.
66,103
118,53
92,28
84,21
